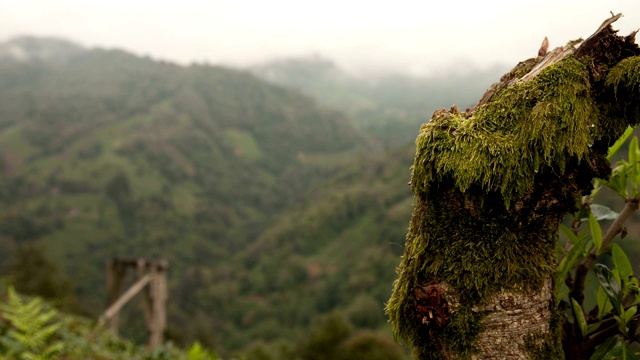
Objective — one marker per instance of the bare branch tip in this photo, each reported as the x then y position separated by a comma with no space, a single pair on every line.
544,47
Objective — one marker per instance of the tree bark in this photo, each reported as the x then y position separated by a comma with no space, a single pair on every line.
491,186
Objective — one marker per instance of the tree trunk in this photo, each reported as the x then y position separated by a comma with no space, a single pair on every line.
491,186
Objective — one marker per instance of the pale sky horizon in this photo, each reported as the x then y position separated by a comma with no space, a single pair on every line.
404,35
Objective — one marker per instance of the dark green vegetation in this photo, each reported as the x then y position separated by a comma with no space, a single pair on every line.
388,107
271,209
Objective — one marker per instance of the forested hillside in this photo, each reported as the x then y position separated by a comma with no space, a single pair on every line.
388,106
282,219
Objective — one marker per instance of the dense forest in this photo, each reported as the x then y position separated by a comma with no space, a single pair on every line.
278,195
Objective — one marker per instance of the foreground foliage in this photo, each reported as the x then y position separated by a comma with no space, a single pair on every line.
609,327
30,329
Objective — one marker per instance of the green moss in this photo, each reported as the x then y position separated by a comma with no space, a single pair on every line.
623,81
521,69
626,73
464,321
528,126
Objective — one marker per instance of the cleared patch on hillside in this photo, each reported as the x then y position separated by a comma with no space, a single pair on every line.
244,144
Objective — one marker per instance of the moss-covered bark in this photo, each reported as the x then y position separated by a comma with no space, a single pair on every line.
491,186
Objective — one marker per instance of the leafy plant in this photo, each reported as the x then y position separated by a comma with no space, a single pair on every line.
610,327
32,332
197,352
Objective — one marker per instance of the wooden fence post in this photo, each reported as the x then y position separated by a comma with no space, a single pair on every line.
115,279
158,292
151,279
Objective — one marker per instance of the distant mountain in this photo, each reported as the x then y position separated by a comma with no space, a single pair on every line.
107,154
30,49
390,107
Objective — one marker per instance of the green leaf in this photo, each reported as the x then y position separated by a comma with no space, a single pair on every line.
596,233
578,315
618,144
618,179
601,212
570,235
603,349
604,305
616,275
559,250
593,328
629,313
633,154
597,185
609,285
621,351
197,352
568,262
630,355
622,263
634,151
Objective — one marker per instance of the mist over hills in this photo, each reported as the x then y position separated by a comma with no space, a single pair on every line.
30,49
389,106
274,208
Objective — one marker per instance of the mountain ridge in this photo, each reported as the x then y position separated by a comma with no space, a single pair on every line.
106,153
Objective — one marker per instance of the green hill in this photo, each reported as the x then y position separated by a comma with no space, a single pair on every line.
107,154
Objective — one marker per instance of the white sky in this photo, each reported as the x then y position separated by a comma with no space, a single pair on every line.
419,36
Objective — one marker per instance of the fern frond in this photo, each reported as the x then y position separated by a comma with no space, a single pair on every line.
32,336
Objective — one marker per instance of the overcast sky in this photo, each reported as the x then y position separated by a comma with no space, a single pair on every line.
418,36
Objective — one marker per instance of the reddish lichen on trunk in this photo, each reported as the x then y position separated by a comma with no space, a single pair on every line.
431,306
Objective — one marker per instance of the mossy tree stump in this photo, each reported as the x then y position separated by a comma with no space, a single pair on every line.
491,186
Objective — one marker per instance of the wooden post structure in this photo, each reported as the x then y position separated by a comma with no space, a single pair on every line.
151,279
115,279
